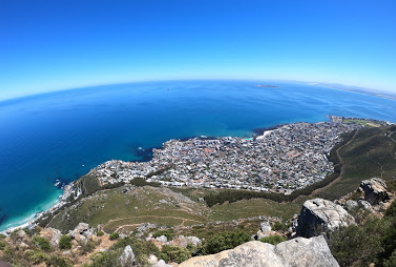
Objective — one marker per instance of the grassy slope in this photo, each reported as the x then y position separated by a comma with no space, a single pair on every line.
369,154
115,208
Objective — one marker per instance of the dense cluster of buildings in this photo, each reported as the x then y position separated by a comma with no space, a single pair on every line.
284,159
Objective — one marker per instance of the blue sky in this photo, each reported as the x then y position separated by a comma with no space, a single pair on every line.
48,45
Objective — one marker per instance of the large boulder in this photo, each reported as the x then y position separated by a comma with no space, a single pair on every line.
79,229
162,263
127,257
319,215
375,191
52,234
299,252
82,233
20,236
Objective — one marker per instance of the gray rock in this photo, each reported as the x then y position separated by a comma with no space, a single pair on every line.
375,191
21,236
79,229
127,257
52,234
23,245
364,205
194,241
161,263
265,230
319,215
152,259
184,241
265,227
350,205
298,252
162,239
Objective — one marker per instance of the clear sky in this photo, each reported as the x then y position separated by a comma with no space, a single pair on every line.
48,45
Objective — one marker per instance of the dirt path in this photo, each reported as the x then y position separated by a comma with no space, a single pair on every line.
151,216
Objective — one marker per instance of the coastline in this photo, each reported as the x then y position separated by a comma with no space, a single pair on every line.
28,219
67,190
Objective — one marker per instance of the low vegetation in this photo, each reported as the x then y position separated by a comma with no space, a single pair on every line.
65,242
273,239
373,241
167,233
222,241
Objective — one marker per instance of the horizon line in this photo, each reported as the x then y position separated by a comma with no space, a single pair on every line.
349,88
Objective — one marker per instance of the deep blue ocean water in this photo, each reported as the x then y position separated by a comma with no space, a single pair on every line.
63,135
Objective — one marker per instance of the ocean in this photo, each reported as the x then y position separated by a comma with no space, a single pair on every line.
62,135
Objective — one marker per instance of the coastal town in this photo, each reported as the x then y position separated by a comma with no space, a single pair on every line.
283,159
280,159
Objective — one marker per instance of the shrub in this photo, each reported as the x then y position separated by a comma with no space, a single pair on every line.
223,241
38,257
114,236
65,242
87,247
58,261
273,239
168,233
391,262
2,245
2,236
175,254
278,226
28,231
104,259
391,211
139,247
41,242
357,246
100,233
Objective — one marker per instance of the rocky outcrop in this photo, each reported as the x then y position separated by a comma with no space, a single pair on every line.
52,234
319,215
265,230
82,233
127,257
299,252
375,191
184,241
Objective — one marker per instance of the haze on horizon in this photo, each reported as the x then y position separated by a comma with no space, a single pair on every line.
51,45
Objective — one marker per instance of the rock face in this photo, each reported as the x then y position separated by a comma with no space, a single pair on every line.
375,191
82,233
299,252
318,215
127,258
184,241
52,234
265,230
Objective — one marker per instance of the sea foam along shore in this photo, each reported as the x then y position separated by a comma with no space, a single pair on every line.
31,221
